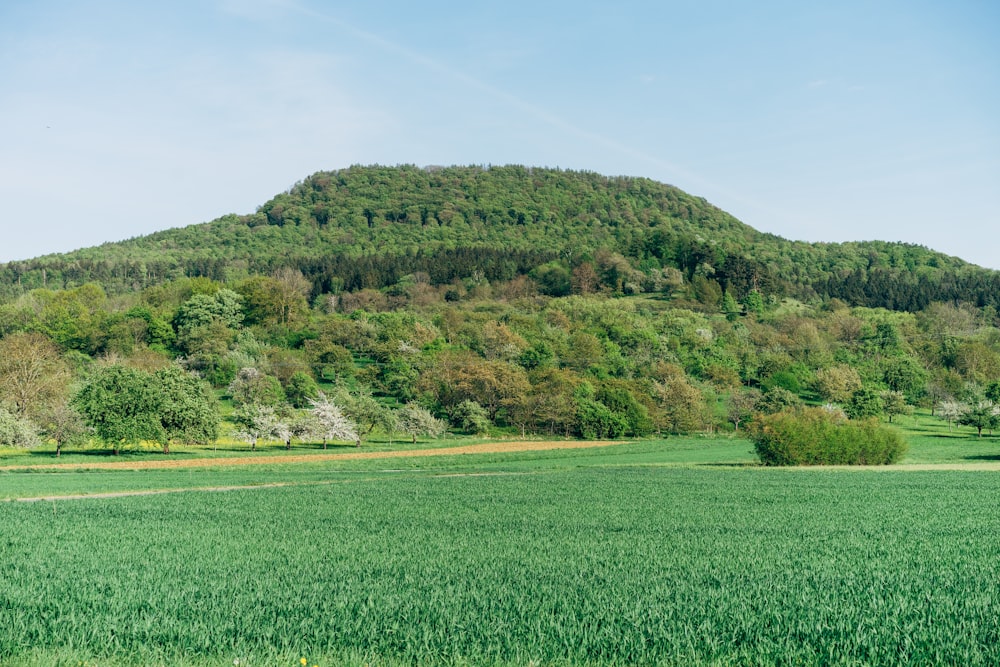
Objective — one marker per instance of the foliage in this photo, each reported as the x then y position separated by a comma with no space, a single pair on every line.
414,420
301,389
813,436
370,227
63,424
330,421
471,417
17,431
255,422
33,374
187,407
980,415
122,406
865,402
253,386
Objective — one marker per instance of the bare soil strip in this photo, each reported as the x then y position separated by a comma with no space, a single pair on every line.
485,448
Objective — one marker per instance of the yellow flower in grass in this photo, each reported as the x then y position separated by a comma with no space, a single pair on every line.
303,661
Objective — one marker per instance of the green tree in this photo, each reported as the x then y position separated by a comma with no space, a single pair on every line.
122,406
837,383
894,403
617,397
301,389
729,307
253,386
471,417
981,415
865,402
187,407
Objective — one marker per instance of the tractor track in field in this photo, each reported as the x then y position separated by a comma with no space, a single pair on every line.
277,459
221,489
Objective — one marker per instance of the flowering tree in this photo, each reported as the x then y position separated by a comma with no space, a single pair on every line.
255,422
330,422
415,420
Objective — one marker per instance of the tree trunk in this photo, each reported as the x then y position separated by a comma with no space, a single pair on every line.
58,449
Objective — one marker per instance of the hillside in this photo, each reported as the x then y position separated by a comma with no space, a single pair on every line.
369,227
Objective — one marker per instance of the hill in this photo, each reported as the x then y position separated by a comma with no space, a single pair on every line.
370,227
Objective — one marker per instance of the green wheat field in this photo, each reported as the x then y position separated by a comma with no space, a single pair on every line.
664,552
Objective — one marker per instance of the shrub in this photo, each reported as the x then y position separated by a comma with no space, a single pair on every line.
813,436
16,432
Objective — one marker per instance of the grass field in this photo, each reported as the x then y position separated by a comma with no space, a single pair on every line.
679,551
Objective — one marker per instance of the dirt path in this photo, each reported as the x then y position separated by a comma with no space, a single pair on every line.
485,448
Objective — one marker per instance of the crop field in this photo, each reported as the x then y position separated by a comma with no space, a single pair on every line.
644,553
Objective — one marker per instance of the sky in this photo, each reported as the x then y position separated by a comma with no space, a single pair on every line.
818,121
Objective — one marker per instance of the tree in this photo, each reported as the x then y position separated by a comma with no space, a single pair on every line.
740,405
617,397
729,307
365,411
777,399
122,405
981,415
415,420
865,402
471,417
252,386
291,426
894,403
255,422
187,407
330,421
16,431
301,389
950,410
32,373
837,383
683,405
63,424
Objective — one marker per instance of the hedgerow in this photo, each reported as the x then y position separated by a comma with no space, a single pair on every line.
815,436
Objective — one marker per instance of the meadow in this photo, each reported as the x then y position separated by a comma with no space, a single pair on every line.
662,552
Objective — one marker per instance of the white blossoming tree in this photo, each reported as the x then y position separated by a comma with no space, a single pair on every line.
330,422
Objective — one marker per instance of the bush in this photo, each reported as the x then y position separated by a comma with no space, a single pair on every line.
813,436
16,432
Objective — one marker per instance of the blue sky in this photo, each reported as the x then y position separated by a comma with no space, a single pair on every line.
835,121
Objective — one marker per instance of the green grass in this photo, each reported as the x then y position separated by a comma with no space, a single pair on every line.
593,565
669,552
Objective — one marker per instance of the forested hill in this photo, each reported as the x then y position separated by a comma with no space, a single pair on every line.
371,227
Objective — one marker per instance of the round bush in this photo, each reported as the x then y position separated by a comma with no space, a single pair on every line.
814,436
